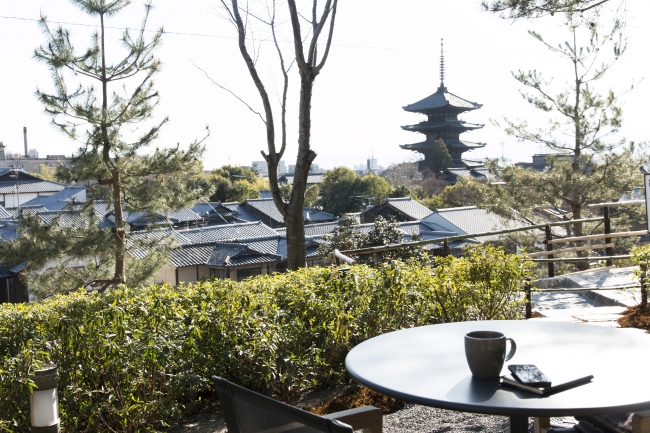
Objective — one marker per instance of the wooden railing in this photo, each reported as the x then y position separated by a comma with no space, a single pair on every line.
549,242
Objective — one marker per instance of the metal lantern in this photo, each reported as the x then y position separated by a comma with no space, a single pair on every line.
44,401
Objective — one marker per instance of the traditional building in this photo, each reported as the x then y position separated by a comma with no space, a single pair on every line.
442,110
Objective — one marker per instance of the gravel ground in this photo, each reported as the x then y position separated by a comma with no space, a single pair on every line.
423,419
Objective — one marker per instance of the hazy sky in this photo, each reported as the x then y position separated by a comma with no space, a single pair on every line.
385,56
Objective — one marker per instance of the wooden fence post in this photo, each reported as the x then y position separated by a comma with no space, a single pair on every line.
529,303
609,251
644,289
549,247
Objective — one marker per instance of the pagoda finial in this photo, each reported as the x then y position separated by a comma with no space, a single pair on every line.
442,64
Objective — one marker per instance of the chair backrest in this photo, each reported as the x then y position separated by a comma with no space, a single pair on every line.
246,411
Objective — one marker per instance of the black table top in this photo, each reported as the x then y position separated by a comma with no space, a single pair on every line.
427,365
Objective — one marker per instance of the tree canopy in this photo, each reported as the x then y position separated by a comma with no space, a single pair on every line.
515,9
344,191
105,103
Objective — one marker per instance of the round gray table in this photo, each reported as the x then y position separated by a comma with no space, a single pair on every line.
427,366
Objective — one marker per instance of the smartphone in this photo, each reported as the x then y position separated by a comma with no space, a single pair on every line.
529,374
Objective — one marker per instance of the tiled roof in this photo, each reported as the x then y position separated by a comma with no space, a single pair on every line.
225,232
25,210
4,214
314,229
9,231
30,186
441,99
410,207
64,218
102,207
205,208
144,219
243,214
222,254
8,272
191,256
60,199
474,220
311,178
314,215
265,206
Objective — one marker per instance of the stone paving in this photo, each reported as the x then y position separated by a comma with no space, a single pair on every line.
596,307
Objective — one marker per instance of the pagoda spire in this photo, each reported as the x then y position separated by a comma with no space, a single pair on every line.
442,64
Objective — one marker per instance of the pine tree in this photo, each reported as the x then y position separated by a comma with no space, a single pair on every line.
107,103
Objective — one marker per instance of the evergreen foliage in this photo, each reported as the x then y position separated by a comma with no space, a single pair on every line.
439,156
344,191
137,359
348,236
581,120
108,110
515,9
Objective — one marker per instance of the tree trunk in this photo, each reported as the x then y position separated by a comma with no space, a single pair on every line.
294,217
120,234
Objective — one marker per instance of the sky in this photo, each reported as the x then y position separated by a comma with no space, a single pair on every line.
385,55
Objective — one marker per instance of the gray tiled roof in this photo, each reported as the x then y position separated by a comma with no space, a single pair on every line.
4,214
191,256
64,218
8,272
312,179
441,99
30,186
102,207
474,220
314,229
314,215
410,207
25,210
9,231
225,232
146,218
222,254
266,206
205,208
244,215
58,200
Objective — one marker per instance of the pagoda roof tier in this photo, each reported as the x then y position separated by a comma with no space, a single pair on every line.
454,144
441,99
469,164
459,125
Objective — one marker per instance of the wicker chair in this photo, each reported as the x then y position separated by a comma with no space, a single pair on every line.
246,411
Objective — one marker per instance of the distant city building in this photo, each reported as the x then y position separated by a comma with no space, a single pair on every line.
371,166
315,168
442,109
30,165
263,168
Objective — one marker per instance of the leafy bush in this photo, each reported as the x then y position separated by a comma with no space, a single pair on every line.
133,358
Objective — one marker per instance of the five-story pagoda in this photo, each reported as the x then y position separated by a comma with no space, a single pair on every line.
442,110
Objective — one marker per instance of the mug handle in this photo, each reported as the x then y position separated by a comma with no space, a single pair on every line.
513,349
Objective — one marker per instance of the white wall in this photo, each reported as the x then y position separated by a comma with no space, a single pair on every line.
166,275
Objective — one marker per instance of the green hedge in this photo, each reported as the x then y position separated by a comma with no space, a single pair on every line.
133,359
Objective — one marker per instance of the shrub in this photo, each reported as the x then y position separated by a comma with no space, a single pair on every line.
133,358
